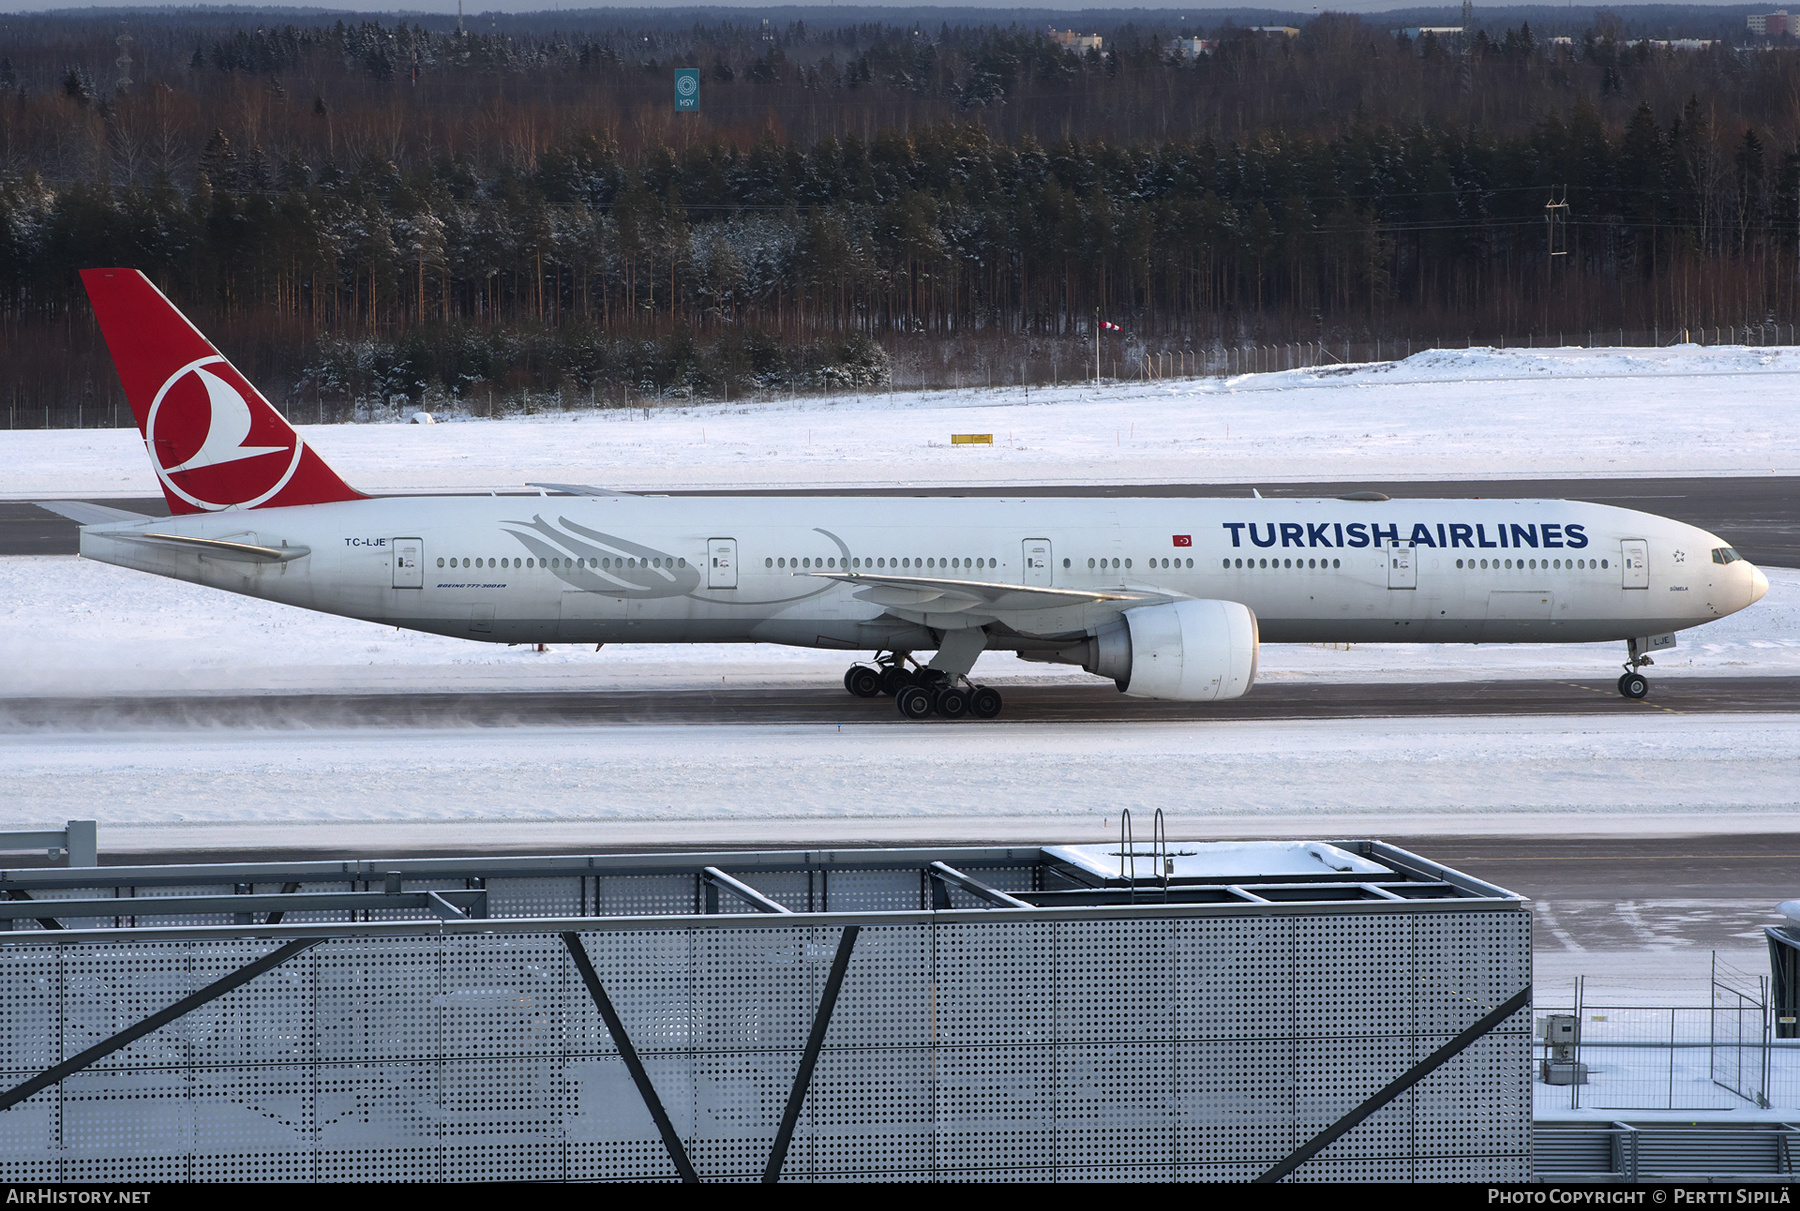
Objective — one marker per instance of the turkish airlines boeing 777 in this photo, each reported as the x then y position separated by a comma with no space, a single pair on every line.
1167,597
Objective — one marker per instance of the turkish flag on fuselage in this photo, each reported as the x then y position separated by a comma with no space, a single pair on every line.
214,441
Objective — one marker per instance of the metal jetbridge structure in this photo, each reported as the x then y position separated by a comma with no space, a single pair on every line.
1272,1011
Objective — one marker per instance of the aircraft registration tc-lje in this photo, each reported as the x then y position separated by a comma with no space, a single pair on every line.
1169,598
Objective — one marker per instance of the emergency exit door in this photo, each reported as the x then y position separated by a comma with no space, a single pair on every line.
1403,567
721,563
1634,559
409,563
1037,561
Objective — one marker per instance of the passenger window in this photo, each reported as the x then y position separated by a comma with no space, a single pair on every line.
1334,563
440,561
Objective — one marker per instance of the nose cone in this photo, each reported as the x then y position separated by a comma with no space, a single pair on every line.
1759,584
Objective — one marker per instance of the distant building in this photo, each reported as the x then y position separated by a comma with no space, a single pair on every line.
1075,41
1673,43
1770,25
1289,30
1440,32
1193,48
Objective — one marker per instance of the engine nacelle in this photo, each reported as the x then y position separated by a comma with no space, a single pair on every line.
1189,651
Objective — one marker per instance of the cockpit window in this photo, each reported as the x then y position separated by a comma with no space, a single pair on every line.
1725,555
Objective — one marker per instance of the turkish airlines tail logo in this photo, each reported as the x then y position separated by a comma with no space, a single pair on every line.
214,441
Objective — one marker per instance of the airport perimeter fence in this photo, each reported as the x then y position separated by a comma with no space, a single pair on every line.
1720,1056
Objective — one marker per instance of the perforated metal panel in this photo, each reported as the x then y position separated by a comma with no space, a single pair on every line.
1144,1045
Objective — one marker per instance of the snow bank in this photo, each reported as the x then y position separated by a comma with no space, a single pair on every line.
1443,414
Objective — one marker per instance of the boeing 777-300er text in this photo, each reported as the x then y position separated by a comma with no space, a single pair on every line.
1169,598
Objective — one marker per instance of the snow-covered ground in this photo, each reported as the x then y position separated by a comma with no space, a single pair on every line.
1649,770
1442,414
72,626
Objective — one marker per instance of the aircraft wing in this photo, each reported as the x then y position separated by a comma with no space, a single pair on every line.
944,596
85,514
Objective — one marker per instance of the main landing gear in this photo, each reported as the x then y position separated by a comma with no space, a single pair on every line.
920,692
1634,684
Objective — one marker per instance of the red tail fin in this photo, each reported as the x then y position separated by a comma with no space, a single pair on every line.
214,441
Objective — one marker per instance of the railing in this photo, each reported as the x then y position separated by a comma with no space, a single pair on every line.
1627,1152
1719,1056
78,842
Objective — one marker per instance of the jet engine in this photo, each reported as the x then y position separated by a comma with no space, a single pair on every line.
1190,651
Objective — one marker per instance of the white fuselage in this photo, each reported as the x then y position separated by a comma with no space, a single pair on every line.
601,569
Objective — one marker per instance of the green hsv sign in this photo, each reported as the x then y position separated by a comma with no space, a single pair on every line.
687,88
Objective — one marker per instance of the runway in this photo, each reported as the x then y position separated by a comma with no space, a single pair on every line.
1759,515
812,705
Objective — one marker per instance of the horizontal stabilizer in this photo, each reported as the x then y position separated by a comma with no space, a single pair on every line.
581,489
83,513
944,596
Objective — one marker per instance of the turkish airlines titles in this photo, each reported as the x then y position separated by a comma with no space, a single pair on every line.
1506,536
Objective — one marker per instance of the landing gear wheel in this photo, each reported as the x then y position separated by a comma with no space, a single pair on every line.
913,702
862,681
894,678
1634,685
984,703
952,702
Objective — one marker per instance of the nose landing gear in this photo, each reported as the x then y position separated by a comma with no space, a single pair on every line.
1634,684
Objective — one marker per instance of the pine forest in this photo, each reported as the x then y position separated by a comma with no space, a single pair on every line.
374,215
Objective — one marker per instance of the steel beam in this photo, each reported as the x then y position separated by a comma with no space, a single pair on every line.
616,1026
743,891
155,1021
809,1059
975,887
1400,1084
287,889
177,906
20,895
